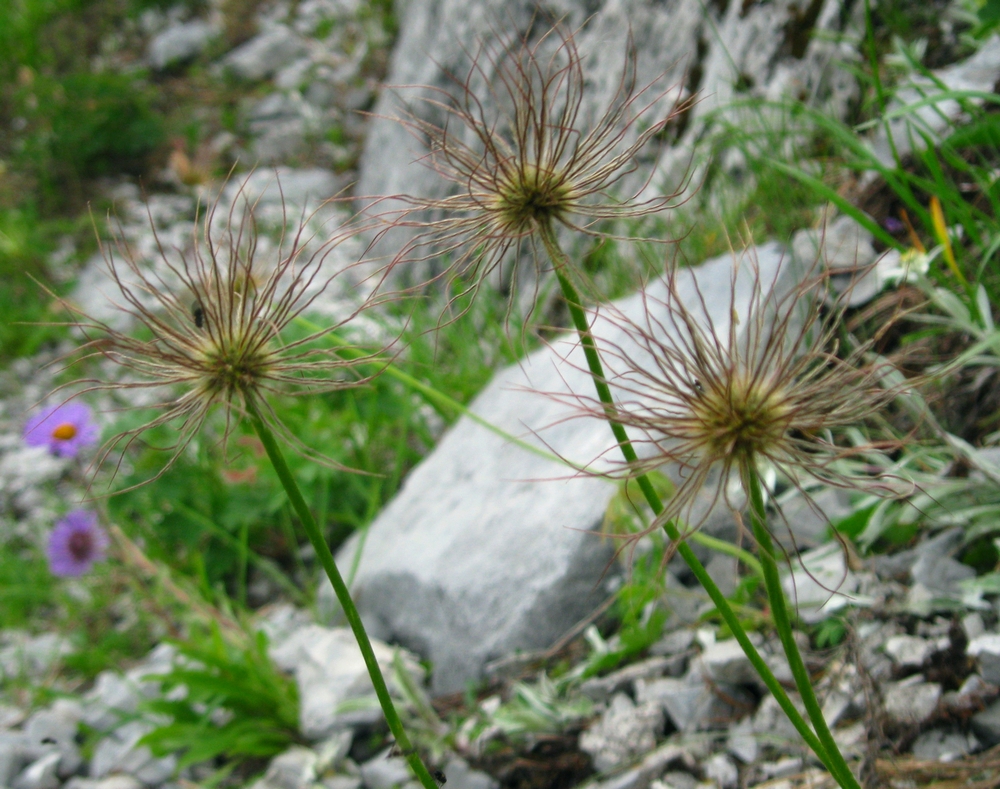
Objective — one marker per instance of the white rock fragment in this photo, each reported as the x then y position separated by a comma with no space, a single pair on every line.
820,583
911,701
909,651
986,650
180,42
624,731
720,769
329,670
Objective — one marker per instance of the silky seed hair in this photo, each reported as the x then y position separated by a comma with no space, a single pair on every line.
211,324
771,386
523,159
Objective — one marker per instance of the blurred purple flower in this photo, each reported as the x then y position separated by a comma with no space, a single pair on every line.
893,225
76,543
65,429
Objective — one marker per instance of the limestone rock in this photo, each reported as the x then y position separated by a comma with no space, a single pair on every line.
265,53
461,776
40,774
986,724
986,650
909,651
385,772
180,42
977,73
624,731
944,745
820,582
293,769
911,701
329,670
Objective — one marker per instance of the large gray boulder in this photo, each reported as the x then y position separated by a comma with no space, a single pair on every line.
489,547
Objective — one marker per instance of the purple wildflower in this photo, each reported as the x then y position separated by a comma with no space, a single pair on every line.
76,543
893,225
65,429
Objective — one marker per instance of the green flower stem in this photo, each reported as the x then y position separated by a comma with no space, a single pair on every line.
575,306
782,623
343,595
446,405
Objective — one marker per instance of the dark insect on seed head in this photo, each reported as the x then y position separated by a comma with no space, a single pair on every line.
198,313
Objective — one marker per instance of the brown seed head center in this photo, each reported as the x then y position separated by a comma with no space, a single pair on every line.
232,368
531,197
741,417
64,432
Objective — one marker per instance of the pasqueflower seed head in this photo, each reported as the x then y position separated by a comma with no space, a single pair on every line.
523,157
767,386
214,325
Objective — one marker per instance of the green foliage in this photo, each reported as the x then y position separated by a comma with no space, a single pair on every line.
65,119
26,310
83,125
27,588
830,632
237,705
546,706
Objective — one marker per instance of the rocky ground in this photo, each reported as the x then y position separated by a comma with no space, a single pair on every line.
490,571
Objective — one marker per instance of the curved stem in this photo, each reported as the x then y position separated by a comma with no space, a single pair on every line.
782,623
574,303
340,589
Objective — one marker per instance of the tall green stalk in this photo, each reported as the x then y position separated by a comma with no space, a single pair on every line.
835,764
343,595
783,624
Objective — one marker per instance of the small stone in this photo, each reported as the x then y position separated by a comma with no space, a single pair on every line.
742,743
820,583
986,650
293,769
460,776
782,768
986,725
677,779
180,43
13,756
112,698
54,729
624,731
328,670
119,752
383,772
341,782
333,750
909,651
911,701
40,774
10,716
944,745
693,705
720,768
973,626
118,781
602,688
673,643
770,721
725,661
264,54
